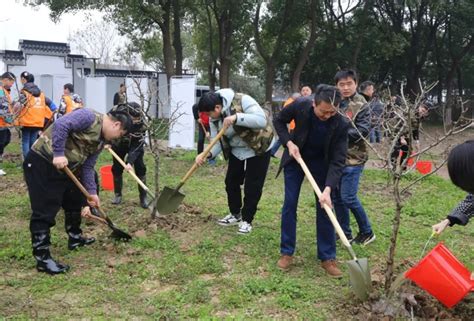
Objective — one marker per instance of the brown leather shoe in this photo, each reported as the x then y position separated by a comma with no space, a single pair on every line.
285,262
331,268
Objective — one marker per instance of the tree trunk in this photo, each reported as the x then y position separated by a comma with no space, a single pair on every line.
167,45
155,151
269,80
295,79
177,44
211,64
224,73
395,229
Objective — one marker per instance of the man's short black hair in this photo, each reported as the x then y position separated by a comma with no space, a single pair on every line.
209,101
69,87
123,118
327,93
346,73
28,76
460,167
366,84
8,75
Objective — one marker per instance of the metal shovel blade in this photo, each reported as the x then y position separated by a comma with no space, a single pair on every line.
169,200
359,275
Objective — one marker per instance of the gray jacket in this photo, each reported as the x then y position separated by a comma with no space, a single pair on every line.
253,117
463,212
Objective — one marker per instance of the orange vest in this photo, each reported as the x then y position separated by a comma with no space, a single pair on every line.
3,123
34,112
70,104
286,103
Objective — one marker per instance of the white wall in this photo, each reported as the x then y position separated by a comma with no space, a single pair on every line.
96,94
182,97
46,65
163,97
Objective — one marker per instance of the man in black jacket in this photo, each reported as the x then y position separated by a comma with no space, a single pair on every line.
320,138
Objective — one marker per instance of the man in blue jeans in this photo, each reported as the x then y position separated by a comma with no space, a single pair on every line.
320,138
355,107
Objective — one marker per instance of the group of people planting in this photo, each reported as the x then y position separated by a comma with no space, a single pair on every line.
329,132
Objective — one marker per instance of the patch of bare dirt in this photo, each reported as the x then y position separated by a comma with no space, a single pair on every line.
408,302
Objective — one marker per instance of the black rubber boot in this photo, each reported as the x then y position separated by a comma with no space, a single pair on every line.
117,190
142,193
72,224
44,262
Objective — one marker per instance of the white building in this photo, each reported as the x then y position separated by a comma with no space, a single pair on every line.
53,65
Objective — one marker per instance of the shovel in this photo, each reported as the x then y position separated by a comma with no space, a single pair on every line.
135,177
171,198
359,272
98,212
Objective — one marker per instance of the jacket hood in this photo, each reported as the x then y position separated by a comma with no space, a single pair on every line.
227,95
32,89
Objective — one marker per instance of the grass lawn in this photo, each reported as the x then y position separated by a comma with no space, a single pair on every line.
186,266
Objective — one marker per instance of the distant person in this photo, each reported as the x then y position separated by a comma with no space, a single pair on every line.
69,100
376,108
36,110
120,97
132,146
246,144
305,91
204,131
6,113
461,173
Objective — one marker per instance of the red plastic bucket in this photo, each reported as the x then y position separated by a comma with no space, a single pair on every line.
107,178
424,167
442,275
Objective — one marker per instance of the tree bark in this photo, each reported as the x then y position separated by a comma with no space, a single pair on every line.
270,59
395,229
303,58
177,44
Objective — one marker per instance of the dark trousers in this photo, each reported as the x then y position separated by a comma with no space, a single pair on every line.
138,165
325,236
250,172
201,138
49,190
401,151
5,137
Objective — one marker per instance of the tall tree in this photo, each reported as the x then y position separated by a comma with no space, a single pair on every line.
269,38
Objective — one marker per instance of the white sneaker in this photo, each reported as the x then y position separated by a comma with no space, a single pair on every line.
244,228
2,172
229,220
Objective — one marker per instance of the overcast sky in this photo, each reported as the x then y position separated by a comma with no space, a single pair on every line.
23,22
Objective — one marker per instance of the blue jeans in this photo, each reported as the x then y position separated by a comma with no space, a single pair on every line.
346,199
275,147
375,134
326,239
28,137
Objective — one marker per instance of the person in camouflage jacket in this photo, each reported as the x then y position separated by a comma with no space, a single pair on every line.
355,108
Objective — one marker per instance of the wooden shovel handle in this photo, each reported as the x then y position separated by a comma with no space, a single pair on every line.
329,211
82,189
204,153
135,177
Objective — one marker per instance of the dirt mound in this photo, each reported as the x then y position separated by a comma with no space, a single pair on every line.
408,302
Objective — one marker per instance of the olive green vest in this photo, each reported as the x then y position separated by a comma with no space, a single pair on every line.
258,139
79,145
